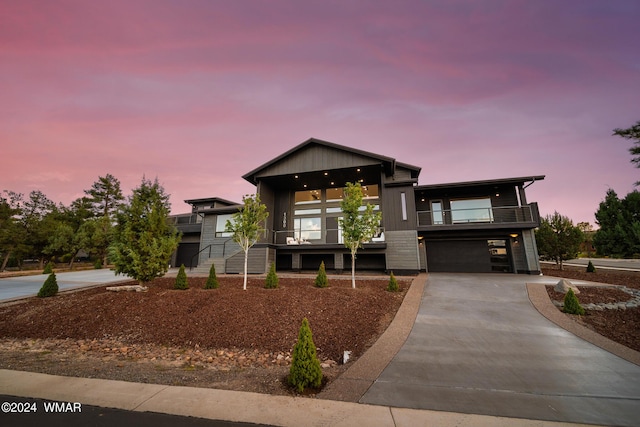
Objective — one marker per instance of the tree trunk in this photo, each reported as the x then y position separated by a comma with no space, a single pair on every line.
246,259
5,261
353,270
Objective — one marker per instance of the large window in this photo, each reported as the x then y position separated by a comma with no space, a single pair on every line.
471,210
221,223
307,228
308,196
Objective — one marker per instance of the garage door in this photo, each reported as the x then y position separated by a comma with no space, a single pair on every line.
463,256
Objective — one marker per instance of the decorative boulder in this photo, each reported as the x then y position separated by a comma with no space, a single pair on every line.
564,285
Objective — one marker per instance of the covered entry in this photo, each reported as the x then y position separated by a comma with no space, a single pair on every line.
469,256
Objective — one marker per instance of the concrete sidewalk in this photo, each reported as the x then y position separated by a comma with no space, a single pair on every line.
235,406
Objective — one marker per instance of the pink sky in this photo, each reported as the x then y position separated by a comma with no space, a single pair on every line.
198,93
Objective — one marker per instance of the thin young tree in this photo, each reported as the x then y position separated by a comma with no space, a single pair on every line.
247,226
358,225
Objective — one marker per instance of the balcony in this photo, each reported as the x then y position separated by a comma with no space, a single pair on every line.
328,237
187,223
480,218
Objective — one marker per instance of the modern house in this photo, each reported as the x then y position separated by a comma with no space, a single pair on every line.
478,226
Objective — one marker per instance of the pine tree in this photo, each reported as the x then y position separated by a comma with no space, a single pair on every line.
393,284
50,287
144,238
305,368
212,280
181,279
271,281
591,268
321,278
571,304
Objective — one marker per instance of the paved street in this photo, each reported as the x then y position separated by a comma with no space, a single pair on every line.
479,346
24,286
621,264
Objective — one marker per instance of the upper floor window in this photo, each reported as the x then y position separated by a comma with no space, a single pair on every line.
221,224
308,196
471,210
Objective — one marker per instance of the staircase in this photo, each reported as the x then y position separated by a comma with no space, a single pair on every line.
203,269
216,254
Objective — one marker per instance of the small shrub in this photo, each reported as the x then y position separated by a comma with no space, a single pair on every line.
321,278
212,280
98,264
591,268
181,279
305,368
571,304
272,278
50,287
48,269
393,284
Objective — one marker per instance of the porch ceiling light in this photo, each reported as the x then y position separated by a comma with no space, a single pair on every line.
514,235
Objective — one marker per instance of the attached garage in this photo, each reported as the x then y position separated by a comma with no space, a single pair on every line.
468,256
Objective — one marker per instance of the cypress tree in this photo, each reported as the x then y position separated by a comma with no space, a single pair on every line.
272,278
305,368
591,268
393,284
181,279
50,287
212,280
571,304
321,278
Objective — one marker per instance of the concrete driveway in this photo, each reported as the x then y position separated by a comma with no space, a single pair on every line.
25,286
479,346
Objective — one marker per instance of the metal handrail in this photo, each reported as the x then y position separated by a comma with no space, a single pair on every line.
198,255
497,214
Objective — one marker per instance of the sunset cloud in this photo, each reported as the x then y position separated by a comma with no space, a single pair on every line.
199,93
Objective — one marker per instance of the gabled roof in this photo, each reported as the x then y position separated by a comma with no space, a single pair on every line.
388,163
500,181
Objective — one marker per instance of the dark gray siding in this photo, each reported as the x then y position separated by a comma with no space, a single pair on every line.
392,208
257,261
316,158
402,250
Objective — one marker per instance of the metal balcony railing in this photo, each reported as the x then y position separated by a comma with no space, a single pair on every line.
502,215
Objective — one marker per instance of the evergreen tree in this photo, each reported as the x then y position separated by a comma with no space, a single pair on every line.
632,133
271,281
181,279
358,226
48,269
591,268
321,277
393,284
144,239
212,280
571,304
49,287
619,221
305,368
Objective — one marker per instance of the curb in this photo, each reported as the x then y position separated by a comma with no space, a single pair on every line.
541,301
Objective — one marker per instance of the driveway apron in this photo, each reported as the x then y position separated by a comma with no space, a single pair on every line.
479,346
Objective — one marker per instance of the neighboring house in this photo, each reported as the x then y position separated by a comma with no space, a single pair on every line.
479,226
